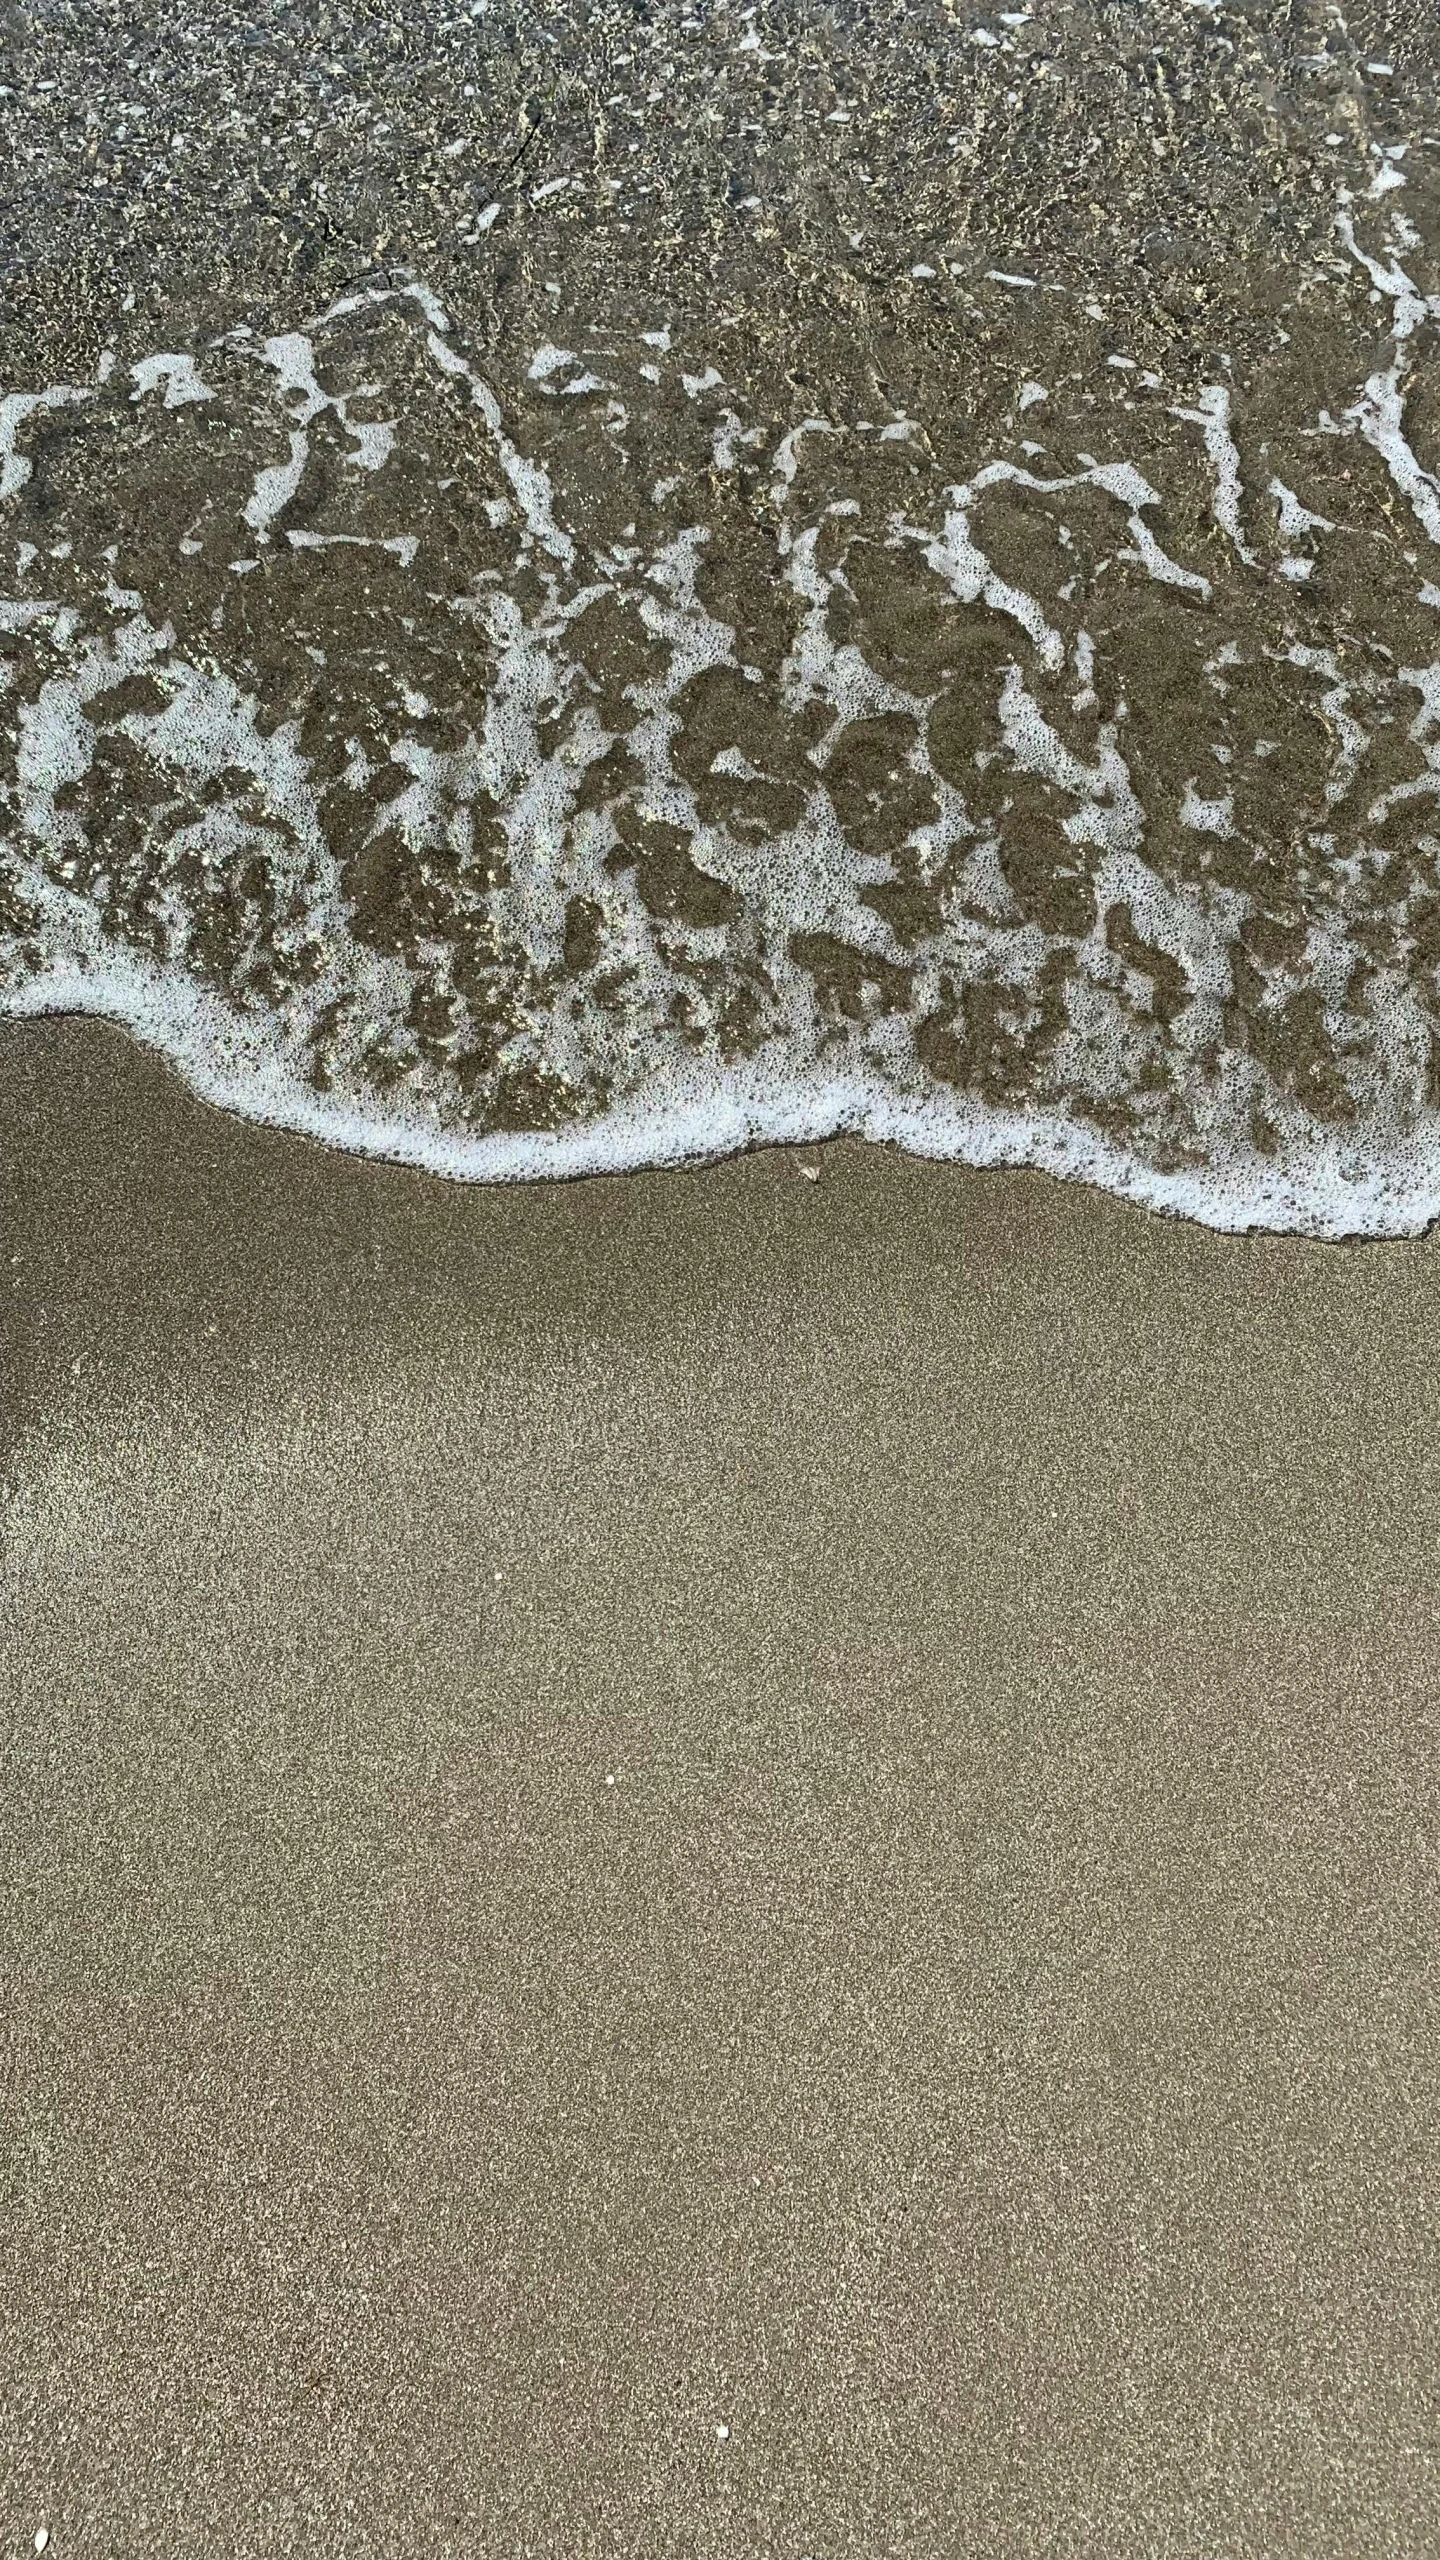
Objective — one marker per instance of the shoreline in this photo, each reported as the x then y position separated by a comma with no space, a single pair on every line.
1296,1195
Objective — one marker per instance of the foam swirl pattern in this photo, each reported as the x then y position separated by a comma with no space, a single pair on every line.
611,773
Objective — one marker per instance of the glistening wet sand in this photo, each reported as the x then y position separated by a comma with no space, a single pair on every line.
981,2049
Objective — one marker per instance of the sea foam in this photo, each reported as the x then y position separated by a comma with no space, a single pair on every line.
439,777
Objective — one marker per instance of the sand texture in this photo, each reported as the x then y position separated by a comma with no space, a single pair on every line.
708,1802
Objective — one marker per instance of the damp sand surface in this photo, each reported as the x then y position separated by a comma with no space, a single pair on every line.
708,1863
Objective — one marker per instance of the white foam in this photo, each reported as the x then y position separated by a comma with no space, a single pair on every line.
1212,415
1378,1183
179,374
15,408
809,1077
276,485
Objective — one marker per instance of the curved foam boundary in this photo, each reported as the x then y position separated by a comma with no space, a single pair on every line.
1333,1191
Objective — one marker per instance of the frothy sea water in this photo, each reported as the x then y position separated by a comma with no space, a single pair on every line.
615,773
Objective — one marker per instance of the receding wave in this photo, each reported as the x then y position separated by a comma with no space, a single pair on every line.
612,773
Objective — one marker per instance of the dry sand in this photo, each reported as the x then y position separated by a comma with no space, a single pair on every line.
699,1803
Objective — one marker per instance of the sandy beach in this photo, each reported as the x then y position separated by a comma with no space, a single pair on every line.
713,1863
733,1863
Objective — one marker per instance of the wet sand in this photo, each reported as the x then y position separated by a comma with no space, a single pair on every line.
706,1802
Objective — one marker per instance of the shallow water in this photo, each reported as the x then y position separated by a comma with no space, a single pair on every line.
615,766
